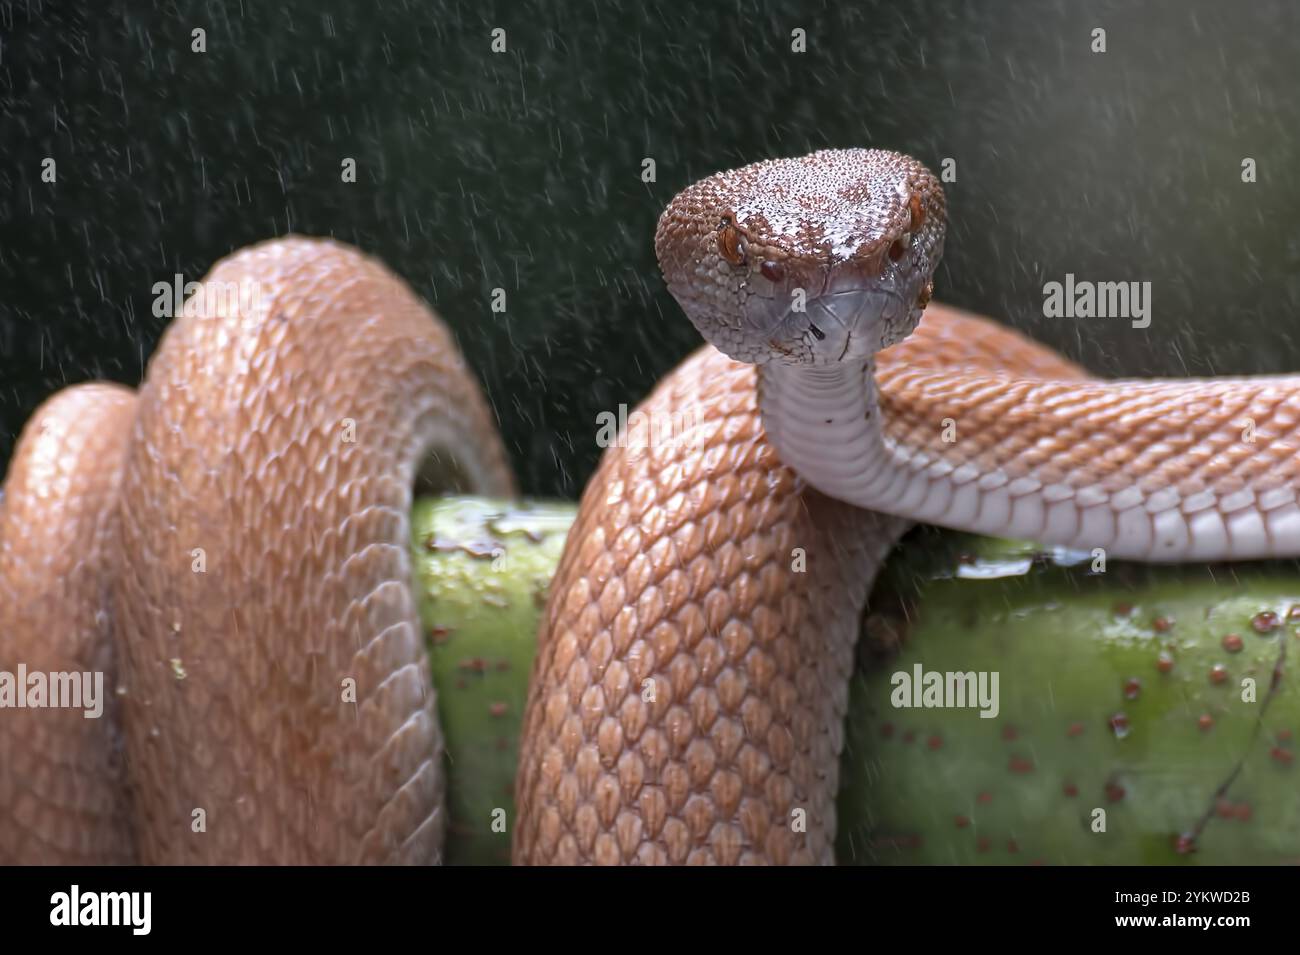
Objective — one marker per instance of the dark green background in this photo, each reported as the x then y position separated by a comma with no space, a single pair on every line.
522,170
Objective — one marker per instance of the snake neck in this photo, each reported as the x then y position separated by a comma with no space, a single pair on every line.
825,423
1120,466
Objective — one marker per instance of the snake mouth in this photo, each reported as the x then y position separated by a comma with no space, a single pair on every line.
842,324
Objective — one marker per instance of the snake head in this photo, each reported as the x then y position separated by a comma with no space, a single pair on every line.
808,261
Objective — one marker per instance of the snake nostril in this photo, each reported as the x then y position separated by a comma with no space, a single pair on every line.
817,332
899,246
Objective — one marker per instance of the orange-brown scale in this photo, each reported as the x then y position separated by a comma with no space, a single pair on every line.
680,570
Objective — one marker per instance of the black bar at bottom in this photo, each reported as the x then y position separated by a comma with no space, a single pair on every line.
580,908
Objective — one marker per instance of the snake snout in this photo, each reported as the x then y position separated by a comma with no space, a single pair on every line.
853,323
833,326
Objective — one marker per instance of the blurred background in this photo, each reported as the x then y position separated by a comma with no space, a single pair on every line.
522,170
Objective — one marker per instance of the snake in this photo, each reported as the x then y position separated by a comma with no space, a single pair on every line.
229,544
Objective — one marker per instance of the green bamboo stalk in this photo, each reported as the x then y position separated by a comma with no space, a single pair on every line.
482,569
1123,731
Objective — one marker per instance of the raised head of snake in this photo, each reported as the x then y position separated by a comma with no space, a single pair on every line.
812,261
807,267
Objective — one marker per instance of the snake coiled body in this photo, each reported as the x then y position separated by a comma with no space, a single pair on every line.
241,530
230,544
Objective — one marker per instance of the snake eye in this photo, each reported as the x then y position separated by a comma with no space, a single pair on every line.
731,244
917,212
772,271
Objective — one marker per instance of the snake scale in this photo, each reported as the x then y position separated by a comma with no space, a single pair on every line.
687,698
